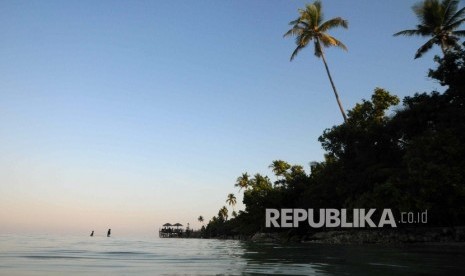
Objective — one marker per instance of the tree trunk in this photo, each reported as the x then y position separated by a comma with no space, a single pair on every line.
334,87
443,48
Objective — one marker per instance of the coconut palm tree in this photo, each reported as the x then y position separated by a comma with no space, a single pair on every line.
260,183
231,200
439,20
308,27
279,167
223,213
242,181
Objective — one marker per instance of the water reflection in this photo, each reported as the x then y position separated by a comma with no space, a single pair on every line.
319,259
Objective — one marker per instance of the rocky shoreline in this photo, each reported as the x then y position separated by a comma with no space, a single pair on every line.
370,236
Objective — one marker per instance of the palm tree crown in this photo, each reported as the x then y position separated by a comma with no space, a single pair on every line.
223,213
231,200
280,167
242,181
438,20
309,26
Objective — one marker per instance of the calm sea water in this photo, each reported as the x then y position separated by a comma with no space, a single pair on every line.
46,255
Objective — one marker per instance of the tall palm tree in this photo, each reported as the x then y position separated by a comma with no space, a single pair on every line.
242,181
223,213
279,167
309,26
200,219
231,200
438,20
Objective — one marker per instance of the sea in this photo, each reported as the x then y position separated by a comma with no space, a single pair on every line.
84,255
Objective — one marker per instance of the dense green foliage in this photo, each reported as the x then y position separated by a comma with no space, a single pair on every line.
406,158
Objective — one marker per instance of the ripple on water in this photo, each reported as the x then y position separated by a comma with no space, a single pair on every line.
36,256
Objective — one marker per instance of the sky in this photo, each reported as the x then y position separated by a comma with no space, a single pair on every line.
131,114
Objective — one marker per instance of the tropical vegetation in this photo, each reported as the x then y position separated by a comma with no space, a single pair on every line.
403,154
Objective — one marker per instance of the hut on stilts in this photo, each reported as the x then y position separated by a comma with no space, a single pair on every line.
172,231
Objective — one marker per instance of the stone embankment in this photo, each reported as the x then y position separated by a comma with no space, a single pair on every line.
376,236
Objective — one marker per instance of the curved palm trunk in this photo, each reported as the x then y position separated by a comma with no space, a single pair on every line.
334,88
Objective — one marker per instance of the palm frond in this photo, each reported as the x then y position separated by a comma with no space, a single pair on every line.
318,6
341,45
408,33
293,32
333,23
425,47
303,39
319,12
459,33
329,41
450,8
295,22
456,17
425,30
296,51
455,24
311,15
430,13
418,9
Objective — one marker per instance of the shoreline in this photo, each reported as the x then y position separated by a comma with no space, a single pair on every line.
391,236
375,236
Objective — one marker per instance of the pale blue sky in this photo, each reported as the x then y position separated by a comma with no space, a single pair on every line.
129,114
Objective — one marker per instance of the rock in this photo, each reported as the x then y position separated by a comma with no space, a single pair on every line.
265,237
376,236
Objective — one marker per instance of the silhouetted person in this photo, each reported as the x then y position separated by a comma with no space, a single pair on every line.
109,232
92,234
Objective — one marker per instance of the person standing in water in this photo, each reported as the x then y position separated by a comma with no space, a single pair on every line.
92,234
109,232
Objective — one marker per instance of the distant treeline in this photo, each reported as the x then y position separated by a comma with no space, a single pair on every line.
412,158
